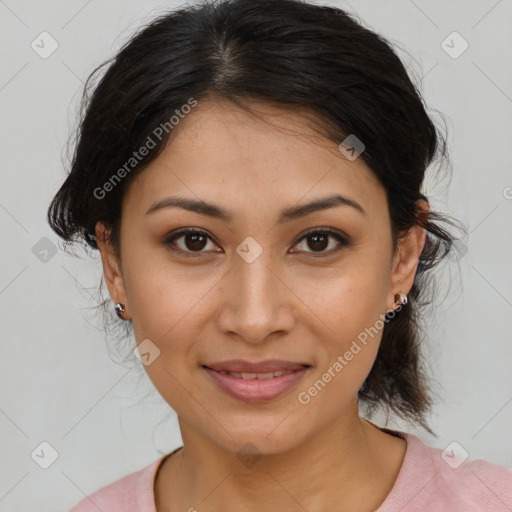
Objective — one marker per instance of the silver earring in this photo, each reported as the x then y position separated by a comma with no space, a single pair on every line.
120,309
400,299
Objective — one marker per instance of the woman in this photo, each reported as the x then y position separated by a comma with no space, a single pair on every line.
251,173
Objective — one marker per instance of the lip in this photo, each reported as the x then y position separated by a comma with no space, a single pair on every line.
256,390
266,366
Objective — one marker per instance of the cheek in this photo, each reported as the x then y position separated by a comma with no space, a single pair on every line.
350,337
172,307
164,296
169,309
347,300
350,326
346,312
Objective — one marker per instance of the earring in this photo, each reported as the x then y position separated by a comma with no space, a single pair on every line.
400,299
120,309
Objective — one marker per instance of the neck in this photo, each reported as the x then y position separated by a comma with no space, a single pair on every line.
352,465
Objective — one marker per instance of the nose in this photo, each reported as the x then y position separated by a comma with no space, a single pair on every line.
256,302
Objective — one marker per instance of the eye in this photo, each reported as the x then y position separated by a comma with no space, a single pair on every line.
194,240
320,241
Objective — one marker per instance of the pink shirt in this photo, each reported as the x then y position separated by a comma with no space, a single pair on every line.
425,483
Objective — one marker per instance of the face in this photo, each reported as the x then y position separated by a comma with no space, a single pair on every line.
269,280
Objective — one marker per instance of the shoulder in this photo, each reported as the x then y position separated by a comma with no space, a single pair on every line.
131,493
468,483
432,479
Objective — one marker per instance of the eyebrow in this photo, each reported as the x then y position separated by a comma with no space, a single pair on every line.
292,213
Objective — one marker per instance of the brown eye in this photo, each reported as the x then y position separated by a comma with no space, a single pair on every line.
318,241
195,241
191,241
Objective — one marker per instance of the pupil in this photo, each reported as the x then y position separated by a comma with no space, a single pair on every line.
195,238
322,245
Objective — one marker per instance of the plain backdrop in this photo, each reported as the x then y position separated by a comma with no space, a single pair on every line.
59,382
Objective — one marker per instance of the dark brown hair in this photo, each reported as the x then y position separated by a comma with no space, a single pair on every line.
289,53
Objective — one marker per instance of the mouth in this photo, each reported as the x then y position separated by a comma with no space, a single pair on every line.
251,375
261,367
258,382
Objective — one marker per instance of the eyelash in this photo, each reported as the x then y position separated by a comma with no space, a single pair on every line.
317,231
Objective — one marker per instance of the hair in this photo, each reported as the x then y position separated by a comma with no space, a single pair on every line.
288,53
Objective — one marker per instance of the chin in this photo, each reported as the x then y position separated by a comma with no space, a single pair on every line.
257,440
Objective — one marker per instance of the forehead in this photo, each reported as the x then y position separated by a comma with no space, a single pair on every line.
220,150
222,127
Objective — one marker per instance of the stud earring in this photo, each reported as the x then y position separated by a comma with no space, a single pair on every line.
400,299
120,309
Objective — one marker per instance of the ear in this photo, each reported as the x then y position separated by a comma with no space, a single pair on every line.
111,267
406,258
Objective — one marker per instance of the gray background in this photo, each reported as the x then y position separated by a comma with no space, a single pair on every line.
59,382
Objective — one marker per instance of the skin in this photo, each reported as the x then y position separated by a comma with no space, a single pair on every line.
286,304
